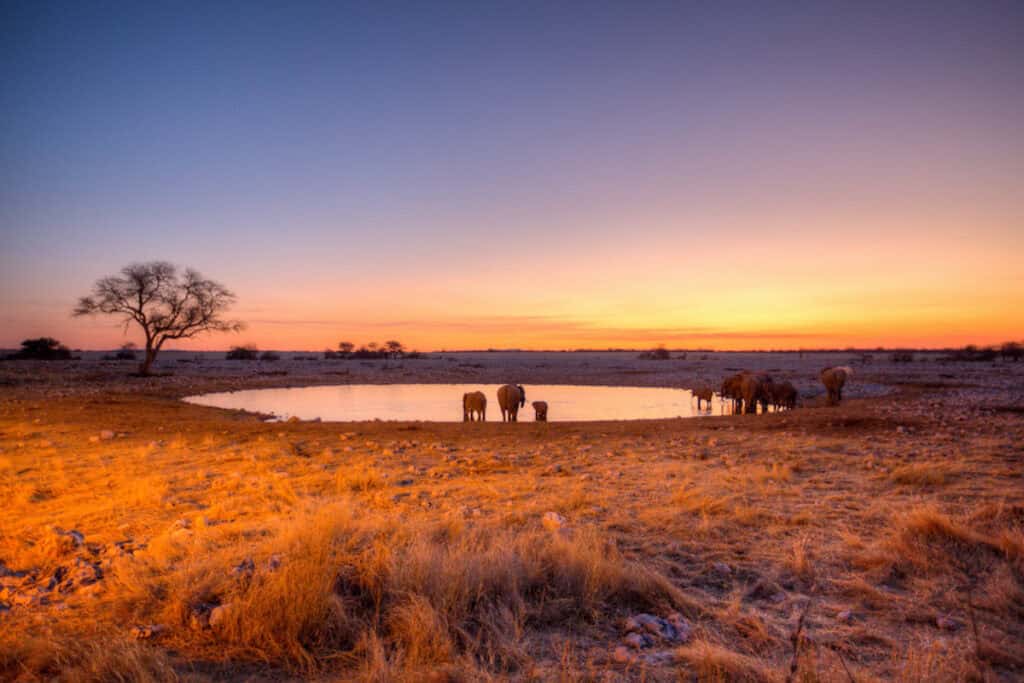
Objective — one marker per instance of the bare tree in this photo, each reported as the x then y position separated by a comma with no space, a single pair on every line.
346,348
165,304
395,348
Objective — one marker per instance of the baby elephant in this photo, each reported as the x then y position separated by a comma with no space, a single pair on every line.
541,409
703,393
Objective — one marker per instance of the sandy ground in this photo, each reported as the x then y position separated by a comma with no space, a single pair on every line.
882,539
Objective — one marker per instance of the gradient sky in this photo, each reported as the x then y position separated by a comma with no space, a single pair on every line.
540,175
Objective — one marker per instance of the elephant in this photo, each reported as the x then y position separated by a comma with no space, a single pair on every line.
540,408
834,379
474,407
511,397
754,390
703,393
782,395
731,390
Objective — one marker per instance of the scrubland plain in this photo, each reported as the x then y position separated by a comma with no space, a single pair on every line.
143,538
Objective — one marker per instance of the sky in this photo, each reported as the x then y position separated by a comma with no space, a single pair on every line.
522,174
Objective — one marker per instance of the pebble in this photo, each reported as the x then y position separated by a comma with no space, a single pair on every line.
622,655
219,614
244,568
148,631
674,629
638,641
553,521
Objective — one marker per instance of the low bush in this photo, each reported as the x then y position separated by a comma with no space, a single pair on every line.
42,348
243,353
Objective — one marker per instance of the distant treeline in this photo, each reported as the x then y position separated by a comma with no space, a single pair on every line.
389,350
48,348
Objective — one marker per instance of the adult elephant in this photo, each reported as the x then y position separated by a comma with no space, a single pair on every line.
754,390
782,395
703,393
474,407
834,379
732,390
511,397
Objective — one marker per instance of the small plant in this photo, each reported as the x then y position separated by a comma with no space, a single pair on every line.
247,352
270,356
660,353
972,354
126,352
1011,351
902,357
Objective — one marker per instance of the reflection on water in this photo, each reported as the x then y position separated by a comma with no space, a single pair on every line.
443,402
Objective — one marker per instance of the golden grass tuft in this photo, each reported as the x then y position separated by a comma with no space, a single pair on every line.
714,663
699,499
924,474
358,478
800,560
73,660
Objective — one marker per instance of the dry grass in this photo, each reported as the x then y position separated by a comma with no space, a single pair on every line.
387,553
925,474
82,661
711,662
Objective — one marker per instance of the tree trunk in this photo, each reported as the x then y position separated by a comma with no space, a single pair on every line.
147,362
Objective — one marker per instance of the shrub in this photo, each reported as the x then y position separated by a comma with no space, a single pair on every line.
660,353
369,352
43,348
126,352
902,357
972,354
247,352
269,356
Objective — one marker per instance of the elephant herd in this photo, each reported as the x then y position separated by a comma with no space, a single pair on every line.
747,390
511,397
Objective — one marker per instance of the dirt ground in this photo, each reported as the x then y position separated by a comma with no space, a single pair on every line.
143,538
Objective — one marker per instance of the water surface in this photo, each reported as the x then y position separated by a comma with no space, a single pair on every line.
443,402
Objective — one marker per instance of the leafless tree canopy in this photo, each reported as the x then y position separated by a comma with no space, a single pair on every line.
166,304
